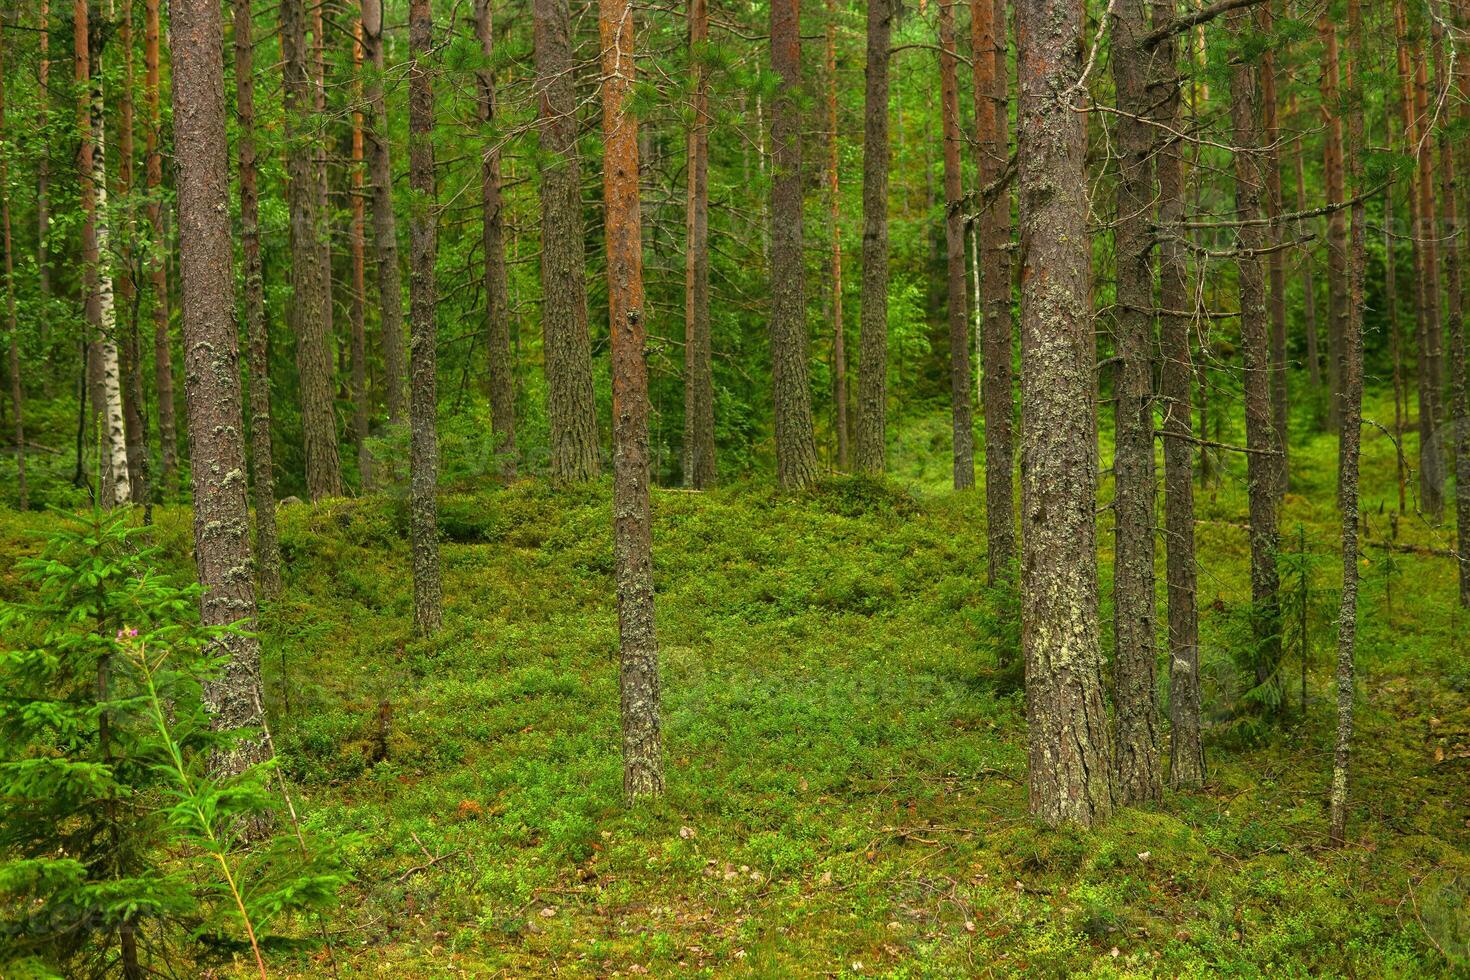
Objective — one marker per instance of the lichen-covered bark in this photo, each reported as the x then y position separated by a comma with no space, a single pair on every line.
988,47
309,310
1067,734
1176,384
12,327
385,224
796,449
961,386
699,391
638,680
428,600
839,329
1136,740
211,370
263,480
570,408
163,369
870,435
492,240
1260,432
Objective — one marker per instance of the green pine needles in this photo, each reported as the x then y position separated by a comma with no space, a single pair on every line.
118,848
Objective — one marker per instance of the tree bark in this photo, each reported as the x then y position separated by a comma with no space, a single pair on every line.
1276,261
1337,272
1309,287
211,372
257,332
1136,777
570,408
492,240
43,166
1431,449
357,311
699,393
872,396
130,354
962,425
796,451
638,678
163,365
1260,433
12,326
428,600
385,224
1066,719
839,339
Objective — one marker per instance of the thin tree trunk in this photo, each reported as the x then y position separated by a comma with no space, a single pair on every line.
428,600
385,226
1176,384
699,408
638,679
131,351
212,374
1337,273
872,396
1395,341
570,408
357,312
43,168
1431,449
1276,262
1260,434
497,307
796,451
1349,444
839,339
1309,287
309,311
1136,777
962,429
12,326
262,473
163,365
1067,727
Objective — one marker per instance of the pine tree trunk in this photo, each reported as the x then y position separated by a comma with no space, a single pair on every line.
385,225
1176,385
1276,262
796,451
699,392
839,339
1431,448
497,306
1337,272
962,425
43,166
211,372
12,326
638,679
263,481
1136,777
1067,726
988,47
870,441
570,409
1260,433
163,369
428,601
1309,287
357,311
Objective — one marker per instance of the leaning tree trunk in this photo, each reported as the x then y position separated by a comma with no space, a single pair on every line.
699,391
1067,726
428,600
872,394
570,408
492,240
11,324
1260,432
263,480
1136,777
962,425
796,451
839,329
212,374
638,679
163,369
385,227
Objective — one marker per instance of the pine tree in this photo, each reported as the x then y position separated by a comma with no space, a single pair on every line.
872,397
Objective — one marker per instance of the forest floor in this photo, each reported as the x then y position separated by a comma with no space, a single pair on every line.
845,759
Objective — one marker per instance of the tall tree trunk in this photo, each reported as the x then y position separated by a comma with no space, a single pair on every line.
262,473
1348,446
872,395
309,310
839,339
962,428
43,166
163,365
385,225
212,374
1337,272
428,600
1136,777
1276,262
570,408
638,680
1176,384
699,392
131,351
992,144
1066,720
1260,433
497,307
1431,449
12,327
1309,287
796,451
357,311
